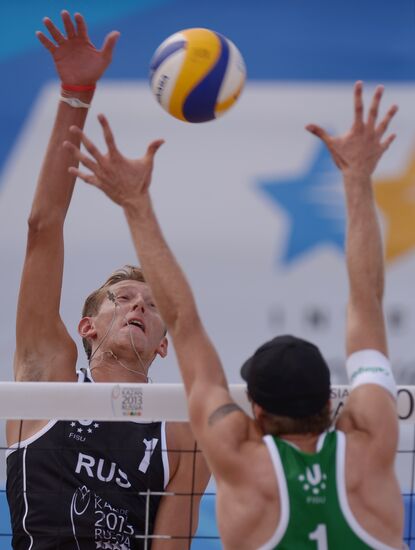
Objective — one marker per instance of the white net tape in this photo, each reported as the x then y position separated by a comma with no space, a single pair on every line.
109,401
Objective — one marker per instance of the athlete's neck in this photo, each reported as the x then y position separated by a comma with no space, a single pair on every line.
305,442
107,367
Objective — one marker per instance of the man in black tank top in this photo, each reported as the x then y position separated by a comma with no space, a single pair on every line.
88,484
68,479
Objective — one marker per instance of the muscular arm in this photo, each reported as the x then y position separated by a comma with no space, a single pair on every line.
126,182
210,404
44,349
370,408
364,255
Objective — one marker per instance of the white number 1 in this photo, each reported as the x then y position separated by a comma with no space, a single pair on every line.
320,536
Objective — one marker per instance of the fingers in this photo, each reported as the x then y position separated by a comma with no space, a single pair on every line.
319,132
43,39
108,135
385,145
81,26
329,142
68,24
383,125
374,107
154,147
54,31
358,103
109,44
88,178
79,155
89,146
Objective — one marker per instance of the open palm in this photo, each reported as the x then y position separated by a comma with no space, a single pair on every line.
122,179
361,148
77,60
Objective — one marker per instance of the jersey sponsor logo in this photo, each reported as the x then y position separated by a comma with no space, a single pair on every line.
313,483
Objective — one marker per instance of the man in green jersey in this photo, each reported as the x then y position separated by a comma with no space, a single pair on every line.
283,480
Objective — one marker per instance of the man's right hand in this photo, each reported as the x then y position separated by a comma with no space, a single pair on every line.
125,181
77,61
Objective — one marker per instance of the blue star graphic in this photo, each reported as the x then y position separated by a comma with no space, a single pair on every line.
314,201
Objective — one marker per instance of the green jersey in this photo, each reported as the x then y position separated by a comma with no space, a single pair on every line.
315,514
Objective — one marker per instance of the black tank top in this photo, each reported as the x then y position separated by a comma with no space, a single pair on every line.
82,485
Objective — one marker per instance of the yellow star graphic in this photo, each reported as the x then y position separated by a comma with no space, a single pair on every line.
396,198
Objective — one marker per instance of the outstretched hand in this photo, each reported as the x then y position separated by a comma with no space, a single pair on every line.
77,60
359,150
123,180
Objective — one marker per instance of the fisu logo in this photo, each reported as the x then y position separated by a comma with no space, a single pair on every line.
313,480
82,428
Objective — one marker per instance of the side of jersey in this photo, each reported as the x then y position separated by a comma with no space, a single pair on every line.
314,510
84,485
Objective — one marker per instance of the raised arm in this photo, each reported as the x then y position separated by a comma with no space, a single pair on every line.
127,182
44,349
357,153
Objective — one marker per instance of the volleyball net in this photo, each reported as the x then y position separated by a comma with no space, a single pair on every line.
121,460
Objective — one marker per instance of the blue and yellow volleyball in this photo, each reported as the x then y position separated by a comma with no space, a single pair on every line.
197,74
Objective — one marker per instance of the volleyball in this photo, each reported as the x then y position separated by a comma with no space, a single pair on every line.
197,74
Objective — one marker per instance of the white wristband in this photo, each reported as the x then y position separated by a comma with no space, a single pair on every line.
369,366
75,102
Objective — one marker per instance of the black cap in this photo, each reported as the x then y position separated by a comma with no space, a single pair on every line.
288,376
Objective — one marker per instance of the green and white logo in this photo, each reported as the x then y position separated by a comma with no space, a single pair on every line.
313,481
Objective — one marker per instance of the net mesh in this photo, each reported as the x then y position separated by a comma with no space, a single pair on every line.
113,526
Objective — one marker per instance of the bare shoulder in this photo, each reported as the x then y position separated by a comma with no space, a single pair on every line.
372,410
371,407
18,431
370,423
372,488
257,464
250,469
249,497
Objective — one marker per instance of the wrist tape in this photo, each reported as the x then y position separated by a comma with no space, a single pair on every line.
75,102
